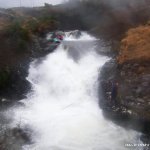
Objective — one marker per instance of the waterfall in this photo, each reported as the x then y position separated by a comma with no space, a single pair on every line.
62,108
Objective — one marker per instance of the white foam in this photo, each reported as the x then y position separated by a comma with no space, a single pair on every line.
62,109
69,36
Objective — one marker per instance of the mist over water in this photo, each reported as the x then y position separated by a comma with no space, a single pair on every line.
62,109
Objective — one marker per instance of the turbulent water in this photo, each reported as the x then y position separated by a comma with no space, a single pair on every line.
62,109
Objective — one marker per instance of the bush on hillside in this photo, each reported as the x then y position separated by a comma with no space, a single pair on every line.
136,45
18,36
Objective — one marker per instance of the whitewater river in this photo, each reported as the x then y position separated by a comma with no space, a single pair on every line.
62,109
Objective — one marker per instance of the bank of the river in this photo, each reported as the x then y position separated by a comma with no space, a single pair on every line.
131,106
128,73
16,86
14,89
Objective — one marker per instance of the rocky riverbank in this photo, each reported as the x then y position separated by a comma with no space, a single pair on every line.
129,67
14,89
130,70
13,83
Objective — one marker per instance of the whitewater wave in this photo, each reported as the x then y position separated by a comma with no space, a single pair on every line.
62,108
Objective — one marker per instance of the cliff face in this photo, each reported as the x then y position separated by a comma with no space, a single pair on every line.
134,72
130,71
20,43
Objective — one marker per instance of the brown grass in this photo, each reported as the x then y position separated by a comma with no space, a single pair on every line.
136,45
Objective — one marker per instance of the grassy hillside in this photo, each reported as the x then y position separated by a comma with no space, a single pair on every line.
136,45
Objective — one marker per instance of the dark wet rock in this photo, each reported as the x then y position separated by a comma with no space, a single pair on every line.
17,86
134,86
108,74
19,133
132,106
76,33
14,139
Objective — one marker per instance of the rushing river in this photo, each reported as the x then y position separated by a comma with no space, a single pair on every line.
62,109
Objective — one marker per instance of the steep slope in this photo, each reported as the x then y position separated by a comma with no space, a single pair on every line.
136,45
134,61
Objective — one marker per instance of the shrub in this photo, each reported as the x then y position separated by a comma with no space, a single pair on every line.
136,45
18,36
32,25
16,30
47,23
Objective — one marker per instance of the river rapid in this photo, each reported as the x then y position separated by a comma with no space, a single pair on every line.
62,109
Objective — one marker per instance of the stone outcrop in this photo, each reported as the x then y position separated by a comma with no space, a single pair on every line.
132,73
134,62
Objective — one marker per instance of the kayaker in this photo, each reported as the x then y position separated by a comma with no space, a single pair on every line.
114,92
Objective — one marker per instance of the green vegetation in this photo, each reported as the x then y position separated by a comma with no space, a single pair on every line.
32,25
40,24
16,30
47,23
18,36
19,32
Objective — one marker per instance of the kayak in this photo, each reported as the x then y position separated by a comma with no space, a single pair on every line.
56,40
